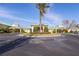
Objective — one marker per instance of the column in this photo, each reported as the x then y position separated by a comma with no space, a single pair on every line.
43,28
32,28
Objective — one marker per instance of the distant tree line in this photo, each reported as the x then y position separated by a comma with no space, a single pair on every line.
9,30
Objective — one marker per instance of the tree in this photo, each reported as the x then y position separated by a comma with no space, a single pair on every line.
72,24
42,9
69,23
66,23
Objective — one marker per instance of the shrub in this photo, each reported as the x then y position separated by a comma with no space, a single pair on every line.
54,31
46,29
36,29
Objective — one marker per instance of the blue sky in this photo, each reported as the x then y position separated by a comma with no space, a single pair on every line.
27,14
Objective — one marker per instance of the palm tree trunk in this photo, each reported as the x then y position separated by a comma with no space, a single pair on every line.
40,23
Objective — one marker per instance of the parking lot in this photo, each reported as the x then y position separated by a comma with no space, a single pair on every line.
64,45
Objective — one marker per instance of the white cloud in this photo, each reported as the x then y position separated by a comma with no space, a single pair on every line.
52,16
55,18
1,22
3,14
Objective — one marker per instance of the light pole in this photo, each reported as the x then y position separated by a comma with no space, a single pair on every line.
19,28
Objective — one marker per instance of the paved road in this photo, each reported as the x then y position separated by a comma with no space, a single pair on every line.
65,45
6,38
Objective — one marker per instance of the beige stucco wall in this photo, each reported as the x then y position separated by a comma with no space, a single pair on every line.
50,30
27,30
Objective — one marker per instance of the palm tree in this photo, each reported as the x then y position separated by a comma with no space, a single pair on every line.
42,9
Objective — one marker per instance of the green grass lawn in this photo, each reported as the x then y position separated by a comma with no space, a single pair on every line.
47,35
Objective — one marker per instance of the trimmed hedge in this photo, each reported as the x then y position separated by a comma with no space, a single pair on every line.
46,29
36,29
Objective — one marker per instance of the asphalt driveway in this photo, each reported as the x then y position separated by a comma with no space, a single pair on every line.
64,45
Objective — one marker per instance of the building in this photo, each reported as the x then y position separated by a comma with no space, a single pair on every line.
27,30
36,28
61,27
50,30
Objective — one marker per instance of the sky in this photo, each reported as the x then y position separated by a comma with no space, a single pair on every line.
26,14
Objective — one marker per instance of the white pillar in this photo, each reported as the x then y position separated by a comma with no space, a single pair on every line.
32,28
43,28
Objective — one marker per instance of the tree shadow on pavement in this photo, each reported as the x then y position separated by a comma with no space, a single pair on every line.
13,44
